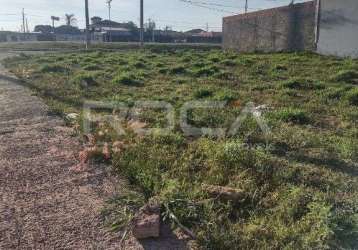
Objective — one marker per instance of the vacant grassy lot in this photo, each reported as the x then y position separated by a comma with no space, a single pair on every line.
298,184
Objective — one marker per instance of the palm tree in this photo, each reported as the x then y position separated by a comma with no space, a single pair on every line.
70,19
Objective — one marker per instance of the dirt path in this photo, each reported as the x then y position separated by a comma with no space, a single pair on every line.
43,204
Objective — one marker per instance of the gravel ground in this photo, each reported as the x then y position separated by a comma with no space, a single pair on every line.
43,203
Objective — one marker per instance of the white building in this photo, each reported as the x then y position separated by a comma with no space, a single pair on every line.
337,29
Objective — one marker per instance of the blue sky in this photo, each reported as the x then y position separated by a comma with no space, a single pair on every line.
174,13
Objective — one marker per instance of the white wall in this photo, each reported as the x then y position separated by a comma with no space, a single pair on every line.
338,28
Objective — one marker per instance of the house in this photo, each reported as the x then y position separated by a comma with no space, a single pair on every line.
329,27
110,31
202,36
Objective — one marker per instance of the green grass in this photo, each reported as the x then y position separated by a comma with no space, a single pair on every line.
299,182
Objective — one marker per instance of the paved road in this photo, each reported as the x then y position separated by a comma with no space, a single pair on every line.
43,204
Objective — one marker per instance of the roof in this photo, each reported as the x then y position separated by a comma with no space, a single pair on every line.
107,23
195,31
114,29
208,34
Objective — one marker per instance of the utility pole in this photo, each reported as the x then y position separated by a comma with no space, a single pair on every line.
141,23
246,6
88,38
54,18
23,21
109,18
27,26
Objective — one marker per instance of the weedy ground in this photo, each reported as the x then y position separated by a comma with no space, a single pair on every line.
300,181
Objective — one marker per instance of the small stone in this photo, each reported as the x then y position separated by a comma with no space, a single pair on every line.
72,117
147,226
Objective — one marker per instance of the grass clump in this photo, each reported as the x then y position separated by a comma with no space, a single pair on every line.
128,79
85,79
229,63
54,68
178,70
302,84
347,76
92,67
352,96
293,115
206,71
203,93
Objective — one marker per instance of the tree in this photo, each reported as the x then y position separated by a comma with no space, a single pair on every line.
43,28
150,25
68,30
70,19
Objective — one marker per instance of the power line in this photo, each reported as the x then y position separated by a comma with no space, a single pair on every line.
206,7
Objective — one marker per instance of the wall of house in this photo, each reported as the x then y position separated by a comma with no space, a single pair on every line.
338,28
288,28
68,37
7,36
